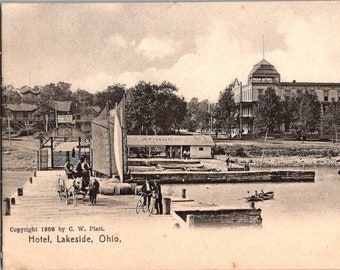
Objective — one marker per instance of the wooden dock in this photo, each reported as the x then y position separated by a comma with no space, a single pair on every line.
113,227
39,202
269,176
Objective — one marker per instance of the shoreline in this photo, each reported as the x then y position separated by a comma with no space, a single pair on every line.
21,155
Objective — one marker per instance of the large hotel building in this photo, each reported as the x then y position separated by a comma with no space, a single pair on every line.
264,76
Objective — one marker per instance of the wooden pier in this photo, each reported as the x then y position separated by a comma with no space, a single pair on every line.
183,177
38,201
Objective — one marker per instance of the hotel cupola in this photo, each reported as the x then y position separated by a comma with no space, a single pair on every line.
263,72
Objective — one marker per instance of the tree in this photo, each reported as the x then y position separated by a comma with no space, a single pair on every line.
82,98
170,108
331,119
180,110
112,95
268,112
224,112
198,115
154,108
289,112
141,107
308,112
53,92
10,95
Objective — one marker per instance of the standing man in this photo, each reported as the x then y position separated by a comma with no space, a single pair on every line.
147,189
85,168
68,167
159,197
227,159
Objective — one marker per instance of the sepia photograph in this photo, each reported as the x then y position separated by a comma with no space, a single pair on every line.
170,135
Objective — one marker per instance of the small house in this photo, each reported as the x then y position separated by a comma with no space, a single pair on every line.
169,146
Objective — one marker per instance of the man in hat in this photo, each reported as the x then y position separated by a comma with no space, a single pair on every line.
158,196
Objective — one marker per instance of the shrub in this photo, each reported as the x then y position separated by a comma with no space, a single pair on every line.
240,152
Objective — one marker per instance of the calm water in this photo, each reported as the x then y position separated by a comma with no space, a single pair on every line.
300,229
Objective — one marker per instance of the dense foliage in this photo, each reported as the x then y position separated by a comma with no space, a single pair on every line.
154,109
268,112
224,112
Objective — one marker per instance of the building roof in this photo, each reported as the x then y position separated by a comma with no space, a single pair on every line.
152,140
263,69
24,91
62,106
94,109
21,107
66,131
300,84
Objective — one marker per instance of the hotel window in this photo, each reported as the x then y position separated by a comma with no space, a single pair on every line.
325,95
200,149
260,92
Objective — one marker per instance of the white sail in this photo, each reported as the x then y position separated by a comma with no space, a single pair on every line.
118,147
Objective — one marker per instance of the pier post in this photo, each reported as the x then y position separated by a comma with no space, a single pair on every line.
7,207
184,193
191,221
167,206
20,191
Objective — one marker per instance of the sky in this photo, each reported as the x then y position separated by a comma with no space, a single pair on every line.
199,47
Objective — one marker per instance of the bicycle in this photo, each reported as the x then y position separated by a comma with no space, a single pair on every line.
149,199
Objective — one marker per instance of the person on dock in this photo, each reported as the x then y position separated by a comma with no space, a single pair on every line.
228,159
158,197
246,166
147,189
85,169
185,154
78,166
68,167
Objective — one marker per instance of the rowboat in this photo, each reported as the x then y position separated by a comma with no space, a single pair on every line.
253,198
267,195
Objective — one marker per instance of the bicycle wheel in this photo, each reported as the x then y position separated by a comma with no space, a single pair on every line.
151,206
140,206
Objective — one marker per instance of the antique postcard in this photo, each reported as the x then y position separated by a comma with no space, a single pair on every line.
170,135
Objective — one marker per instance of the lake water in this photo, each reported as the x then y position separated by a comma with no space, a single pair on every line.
300,228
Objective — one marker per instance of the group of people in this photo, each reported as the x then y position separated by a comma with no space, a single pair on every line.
153,188
81,170
185,154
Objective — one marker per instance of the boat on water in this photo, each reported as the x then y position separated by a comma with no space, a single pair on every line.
260,197
253,198
267,195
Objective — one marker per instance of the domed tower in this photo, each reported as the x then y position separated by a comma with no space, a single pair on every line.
263,72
